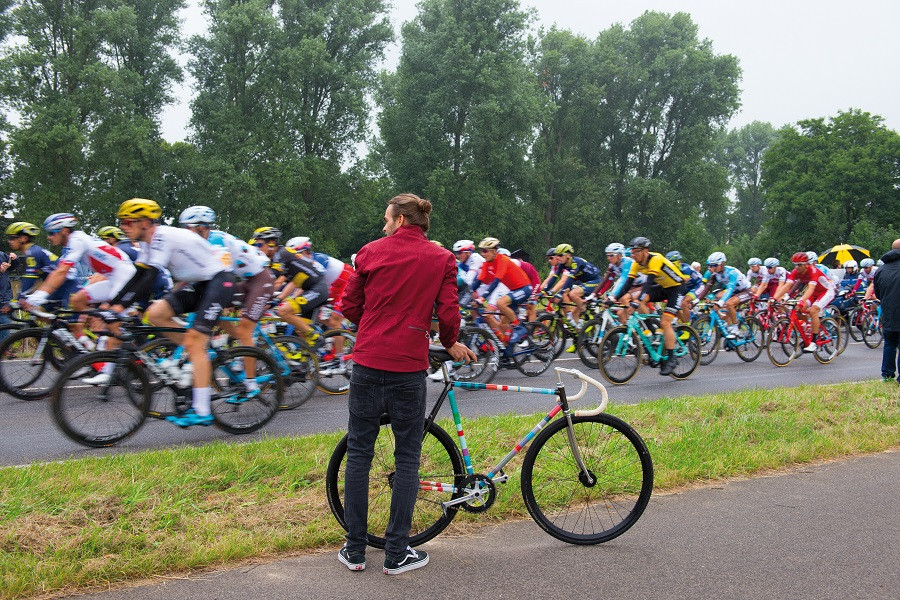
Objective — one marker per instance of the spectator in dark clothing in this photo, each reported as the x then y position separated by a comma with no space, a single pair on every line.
399,282
887,289
5,291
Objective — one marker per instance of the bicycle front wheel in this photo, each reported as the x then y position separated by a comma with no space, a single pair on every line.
25,356
592,507
534,353
854,324
784,343
589,342
101,415
709,340
871,333
440,462
485,367
300,380
687,351
830,348
234,409
754,338
557,329
334,351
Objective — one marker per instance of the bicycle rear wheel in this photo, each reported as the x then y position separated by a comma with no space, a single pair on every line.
588,343
784,343
587,510
534,353
854,324
487,352
441,462
554,324
754,339
687,351
300,381
334,351
845,337
618,359
871,333
101,415
232,407
709,340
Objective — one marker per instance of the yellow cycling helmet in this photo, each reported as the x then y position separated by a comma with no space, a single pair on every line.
489,243
437,243
139,208
22,228
111,231
564,249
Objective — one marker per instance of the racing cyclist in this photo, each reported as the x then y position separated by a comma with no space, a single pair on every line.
585,278
38,262
735,289
499,268
624,287
818,294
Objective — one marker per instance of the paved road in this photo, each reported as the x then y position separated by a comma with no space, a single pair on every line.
819,532
27,433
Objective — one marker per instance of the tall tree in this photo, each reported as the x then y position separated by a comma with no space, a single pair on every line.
88,80
741,152
833,181
458,115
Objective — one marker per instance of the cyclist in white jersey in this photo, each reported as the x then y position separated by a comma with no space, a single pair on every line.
111,264
205,287
756,272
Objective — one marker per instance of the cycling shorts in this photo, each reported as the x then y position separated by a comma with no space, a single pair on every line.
673,297
206,298
257,291
588,286
519,296
309,301
822,299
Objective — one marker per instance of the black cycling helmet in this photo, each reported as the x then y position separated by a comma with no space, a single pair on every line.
551,251
639,242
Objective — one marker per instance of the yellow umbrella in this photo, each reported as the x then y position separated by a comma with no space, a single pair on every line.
843,253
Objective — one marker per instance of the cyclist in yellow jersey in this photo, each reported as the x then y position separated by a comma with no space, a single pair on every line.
666,282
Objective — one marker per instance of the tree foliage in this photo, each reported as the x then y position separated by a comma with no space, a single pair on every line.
741,152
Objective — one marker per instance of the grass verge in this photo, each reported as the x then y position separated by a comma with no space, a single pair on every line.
92,522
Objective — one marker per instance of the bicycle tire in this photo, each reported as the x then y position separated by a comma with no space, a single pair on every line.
709,339
332,377
232,410
553,323
618,367
534,353
301,380
441,461
588,343
826,353
103,415
845,337
487,352
872,333
754,339
688,362
784,343
854,325
23,375
579,512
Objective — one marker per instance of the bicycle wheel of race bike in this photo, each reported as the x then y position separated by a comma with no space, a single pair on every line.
441,462
164,400
334,351
557,329
827,352
845,336
784,343
854,327
687,351
25,356
754,339
233,411
619,362
709,340
573,508
300,381
534,353
872,333
588,343
100,415
487,352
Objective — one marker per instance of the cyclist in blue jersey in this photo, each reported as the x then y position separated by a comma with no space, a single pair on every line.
623,292
735,288
584,275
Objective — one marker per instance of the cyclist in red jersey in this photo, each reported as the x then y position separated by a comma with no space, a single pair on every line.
819,292
497,269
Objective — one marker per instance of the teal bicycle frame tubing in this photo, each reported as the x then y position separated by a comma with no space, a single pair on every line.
716,320
636,324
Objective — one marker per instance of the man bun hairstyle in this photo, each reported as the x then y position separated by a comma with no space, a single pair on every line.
413,208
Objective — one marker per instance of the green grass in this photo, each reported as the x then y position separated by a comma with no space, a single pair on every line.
91,522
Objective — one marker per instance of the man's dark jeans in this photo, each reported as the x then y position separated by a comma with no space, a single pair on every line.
889,354
402,397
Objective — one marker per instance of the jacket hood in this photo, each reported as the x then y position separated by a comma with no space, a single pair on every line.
891,256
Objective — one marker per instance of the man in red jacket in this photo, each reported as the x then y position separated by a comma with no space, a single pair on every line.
399,282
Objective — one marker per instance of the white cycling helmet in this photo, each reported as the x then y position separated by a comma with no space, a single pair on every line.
812,257
464,246
503,251
695,266
58,221
867,262
197,215
772,262
851,264
615,248
716,258
754,261
298,244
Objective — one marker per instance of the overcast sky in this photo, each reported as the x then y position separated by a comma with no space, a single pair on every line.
800,58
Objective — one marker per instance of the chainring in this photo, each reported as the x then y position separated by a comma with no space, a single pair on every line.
486,493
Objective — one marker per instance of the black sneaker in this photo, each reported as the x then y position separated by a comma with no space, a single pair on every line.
412,560
354,562
668,366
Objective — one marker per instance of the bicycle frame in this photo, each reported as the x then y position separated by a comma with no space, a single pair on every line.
718,322
637,326
496,474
